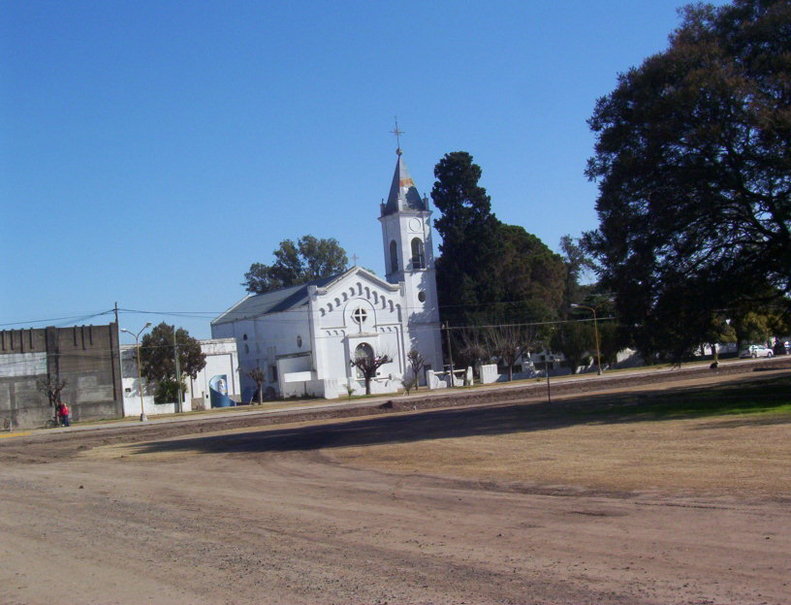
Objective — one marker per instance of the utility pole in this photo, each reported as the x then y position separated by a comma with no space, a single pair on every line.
546,369
595,333
118,364
143,417
450,352
178,370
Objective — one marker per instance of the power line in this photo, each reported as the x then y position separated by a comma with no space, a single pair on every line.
82,317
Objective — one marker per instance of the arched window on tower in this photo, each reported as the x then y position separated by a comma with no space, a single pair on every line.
393,257
418,254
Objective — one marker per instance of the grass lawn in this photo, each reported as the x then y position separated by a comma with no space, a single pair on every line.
764,397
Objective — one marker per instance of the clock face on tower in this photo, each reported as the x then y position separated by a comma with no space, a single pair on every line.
414,225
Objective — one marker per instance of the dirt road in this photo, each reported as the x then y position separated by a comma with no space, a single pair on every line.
294,513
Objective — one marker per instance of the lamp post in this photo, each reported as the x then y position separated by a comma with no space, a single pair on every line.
143,417
595,333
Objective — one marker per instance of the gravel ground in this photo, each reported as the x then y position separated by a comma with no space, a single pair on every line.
288,510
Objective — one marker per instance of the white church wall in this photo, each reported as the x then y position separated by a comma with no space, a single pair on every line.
357,310
294,373
262,341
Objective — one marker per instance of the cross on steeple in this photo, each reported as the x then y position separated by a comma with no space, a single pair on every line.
398,134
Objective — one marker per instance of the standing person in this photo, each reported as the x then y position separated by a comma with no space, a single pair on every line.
64,413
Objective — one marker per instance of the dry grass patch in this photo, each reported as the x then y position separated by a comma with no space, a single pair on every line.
733,455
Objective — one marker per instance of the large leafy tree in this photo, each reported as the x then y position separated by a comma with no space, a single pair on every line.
158,359
296,263
694,169
531,278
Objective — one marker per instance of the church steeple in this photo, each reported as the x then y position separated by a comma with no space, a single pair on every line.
406,229
409,260
403,193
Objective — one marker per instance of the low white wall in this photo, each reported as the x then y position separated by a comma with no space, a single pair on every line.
221,359
489,373
132,400
436,380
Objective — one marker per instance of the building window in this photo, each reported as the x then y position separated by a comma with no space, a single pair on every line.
418,254
359,315
393,257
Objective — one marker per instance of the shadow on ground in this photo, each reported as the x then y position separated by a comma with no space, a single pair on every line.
651,405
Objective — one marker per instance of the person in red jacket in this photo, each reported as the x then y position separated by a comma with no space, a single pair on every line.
64,414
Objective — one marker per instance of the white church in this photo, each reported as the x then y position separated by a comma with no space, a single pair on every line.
304,337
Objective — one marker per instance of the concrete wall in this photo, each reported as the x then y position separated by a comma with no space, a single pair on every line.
86,357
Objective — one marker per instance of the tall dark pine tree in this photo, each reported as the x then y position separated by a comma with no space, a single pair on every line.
694,169
471,245
489,273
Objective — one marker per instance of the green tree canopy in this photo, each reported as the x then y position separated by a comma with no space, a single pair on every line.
158,360
576,340
488,271
471,245
577,262
694,169
531,277
296,263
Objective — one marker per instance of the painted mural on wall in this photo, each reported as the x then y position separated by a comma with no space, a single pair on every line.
218,389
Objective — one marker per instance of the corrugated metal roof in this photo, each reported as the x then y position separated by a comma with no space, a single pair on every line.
276,301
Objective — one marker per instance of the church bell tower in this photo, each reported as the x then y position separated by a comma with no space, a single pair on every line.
409,258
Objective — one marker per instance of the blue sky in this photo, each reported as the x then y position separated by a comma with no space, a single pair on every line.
151,151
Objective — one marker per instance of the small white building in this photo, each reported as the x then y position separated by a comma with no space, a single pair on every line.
305,337
221,370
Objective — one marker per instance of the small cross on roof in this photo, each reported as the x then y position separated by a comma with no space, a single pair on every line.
398,134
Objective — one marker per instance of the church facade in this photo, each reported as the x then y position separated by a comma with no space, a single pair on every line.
304,338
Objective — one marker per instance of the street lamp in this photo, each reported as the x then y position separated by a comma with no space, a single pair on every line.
595,332
143,417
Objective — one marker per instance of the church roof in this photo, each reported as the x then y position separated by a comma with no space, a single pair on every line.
403,193
275,301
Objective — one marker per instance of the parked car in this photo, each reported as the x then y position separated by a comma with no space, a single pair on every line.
755,351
